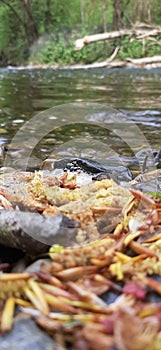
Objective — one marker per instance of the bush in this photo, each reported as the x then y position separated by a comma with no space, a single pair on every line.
136,49
61,50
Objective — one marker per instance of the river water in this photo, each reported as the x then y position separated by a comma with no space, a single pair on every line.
94,113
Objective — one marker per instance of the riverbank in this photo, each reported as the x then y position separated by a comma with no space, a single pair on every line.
124,48
143,63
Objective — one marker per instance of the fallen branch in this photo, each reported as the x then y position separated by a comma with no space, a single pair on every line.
140,33
114,54
145,60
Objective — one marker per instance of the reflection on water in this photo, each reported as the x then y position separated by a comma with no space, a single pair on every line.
24,93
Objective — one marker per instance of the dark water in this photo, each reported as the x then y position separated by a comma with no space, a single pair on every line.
26,93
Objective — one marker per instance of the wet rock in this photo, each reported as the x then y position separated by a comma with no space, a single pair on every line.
79,163
149,182
98,171
144,160
16,158
27,335
34,233
118,174
147,158
151,186
149,176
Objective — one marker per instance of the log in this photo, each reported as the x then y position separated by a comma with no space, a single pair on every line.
139,33
145,60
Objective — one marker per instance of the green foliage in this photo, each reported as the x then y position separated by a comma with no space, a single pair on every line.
137,49
131,49
62,51
153,48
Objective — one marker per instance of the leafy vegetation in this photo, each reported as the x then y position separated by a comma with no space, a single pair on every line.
136,49
43,31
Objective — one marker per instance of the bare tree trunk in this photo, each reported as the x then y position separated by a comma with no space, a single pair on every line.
116,19
32,24
141,10
48,15
82,13
104,13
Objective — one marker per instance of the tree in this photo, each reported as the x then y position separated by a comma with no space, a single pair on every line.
82,12
30,21
104,14
15,13
116,20
142,10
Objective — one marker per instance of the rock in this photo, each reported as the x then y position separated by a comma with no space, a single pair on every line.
148,182
98,171
151,186
148,158
118,173
149,176
26,335
34,233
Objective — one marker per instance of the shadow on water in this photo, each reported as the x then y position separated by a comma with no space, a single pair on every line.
25,93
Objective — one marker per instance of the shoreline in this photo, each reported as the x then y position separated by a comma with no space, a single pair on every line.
139,64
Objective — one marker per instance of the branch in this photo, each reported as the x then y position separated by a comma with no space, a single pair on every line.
7,3
114,54
154,61
26,7
145,60
80,43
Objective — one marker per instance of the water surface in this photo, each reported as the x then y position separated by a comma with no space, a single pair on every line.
136,92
